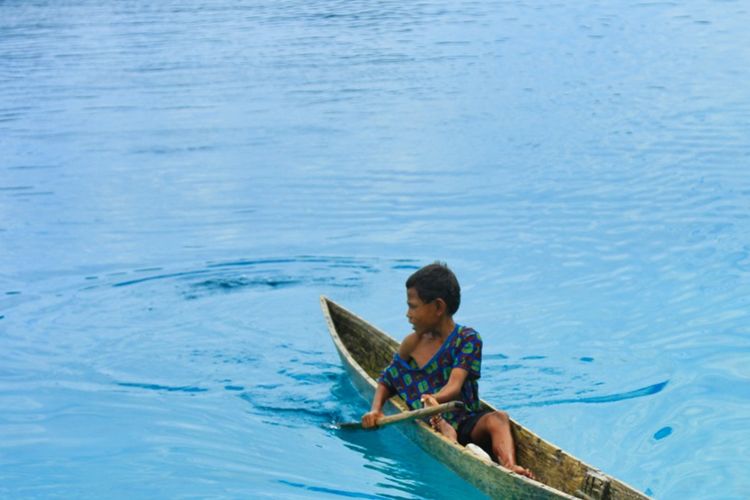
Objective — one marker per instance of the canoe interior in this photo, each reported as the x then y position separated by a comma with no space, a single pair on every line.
369,351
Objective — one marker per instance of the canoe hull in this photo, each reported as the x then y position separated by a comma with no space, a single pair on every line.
365,351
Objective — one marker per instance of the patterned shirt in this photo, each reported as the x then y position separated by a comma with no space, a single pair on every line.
462,349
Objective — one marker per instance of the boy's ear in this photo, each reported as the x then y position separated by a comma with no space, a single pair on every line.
440,306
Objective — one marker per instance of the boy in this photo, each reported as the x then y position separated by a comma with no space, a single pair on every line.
441,361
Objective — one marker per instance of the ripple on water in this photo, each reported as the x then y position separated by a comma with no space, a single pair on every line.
157,387
197,435
232,276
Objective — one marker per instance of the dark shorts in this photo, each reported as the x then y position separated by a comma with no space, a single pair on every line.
465,427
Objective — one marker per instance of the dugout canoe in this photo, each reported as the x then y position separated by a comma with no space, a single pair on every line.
366,350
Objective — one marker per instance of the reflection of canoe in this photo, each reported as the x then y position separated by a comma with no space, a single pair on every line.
365,351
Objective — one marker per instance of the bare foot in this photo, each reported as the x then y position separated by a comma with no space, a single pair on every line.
444,428
437,422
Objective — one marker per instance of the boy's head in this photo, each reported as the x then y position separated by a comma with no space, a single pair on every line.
436,281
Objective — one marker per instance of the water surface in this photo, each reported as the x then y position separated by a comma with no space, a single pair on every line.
180,181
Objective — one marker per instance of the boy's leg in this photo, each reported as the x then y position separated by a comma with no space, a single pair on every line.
494,429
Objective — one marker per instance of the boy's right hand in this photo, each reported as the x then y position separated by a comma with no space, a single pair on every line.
371,418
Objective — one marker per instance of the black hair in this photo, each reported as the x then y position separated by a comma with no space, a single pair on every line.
436,281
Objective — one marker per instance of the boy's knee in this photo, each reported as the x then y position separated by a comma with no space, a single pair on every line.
501,417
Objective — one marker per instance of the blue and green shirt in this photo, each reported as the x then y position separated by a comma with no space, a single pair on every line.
462,349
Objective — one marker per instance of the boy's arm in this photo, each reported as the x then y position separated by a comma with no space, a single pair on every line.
468,364
452,390
370,419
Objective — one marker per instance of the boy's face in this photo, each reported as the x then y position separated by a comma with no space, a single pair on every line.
423,316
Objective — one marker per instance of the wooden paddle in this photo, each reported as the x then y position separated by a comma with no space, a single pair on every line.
407,415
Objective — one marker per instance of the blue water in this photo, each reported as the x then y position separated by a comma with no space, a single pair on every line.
180,181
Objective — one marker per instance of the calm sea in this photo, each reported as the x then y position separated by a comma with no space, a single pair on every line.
181,180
